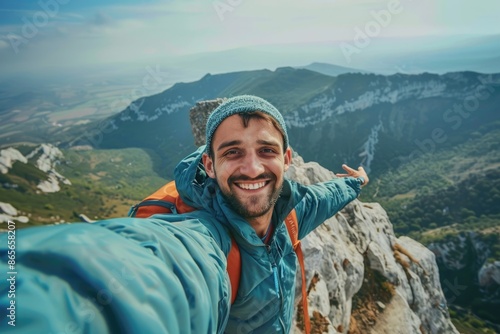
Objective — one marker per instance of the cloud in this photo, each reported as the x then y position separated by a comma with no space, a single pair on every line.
143,32
4,44
101,19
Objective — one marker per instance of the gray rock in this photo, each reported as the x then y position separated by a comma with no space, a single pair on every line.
348,249
8,156
8,209
198,116
489,274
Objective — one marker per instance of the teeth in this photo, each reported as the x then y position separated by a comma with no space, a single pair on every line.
251,186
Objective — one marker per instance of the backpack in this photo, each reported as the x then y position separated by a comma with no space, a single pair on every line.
167,200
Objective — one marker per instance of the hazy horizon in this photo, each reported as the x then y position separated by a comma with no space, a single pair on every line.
90,58
50,37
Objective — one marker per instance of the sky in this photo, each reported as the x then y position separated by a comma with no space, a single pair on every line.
64,35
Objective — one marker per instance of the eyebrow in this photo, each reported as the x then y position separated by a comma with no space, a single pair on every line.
228,143
268,142
239,142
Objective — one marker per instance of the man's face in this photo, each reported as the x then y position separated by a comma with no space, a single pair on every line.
248,164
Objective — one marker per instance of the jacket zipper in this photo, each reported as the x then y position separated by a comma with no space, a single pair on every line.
276,286
275,271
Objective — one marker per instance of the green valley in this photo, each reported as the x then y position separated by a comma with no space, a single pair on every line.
104,184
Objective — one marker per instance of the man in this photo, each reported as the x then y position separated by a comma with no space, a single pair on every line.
166,273
245,157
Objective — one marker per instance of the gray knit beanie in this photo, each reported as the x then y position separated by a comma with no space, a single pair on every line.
242,104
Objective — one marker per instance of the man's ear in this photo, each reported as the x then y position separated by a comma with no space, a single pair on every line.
209,165
288,158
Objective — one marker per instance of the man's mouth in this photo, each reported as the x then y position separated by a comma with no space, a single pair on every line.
251,186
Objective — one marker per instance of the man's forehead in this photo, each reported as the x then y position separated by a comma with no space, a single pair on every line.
232,128
247,106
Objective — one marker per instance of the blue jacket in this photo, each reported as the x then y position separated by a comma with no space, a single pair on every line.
264,303
125,275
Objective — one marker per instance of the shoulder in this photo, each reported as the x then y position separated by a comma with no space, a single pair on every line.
215,228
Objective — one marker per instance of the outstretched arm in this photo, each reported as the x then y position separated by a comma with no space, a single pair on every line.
115,276
320,201
360,172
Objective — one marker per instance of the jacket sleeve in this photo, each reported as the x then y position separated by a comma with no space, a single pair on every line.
125,275
318,202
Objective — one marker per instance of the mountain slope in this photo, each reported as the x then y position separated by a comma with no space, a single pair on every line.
330,69
375,120
44,185
160,123
382,121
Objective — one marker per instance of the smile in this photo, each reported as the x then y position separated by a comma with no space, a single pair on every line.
251,186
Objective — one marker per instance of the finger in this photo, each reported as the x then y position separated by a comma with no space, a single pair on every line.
348,169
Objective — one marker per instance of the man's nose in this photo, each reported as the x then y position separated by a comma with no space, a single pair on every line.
252,166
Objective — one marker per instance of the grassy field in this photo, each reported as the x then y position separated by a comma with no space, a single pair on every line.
48,111
467,323
442,188
104,184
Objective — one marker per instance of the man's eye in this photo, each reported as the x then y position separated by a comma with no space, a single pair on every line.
268,150
231,152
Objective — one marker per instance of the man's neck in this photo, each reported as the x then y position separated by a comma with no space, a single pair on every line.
261,224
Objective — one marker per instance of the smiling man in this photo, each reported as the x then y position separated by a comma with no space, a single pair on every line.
238,178
249,162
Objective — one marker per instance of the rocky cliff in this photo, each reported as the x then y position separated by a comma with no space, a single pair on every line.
361,277
469,272
44,157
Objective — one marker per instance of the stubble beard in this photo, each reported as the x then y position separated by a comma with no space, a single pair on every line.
252,206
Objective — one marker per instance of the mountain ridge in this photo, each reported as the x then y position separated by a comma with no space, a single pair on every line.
330,69
399,108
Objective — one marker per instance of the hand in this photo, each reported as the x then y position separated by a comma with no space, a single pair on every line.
355,173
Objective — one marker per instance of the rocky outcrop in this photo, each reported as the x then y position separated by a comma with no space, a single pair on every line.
198,115
454,252
489,275
8,157
10,213
361,277
379,90
469,272
489,288
45,157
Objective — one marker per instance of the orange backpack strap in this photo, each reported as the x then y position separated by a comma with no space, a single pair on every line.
292,224
234,268
164,200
